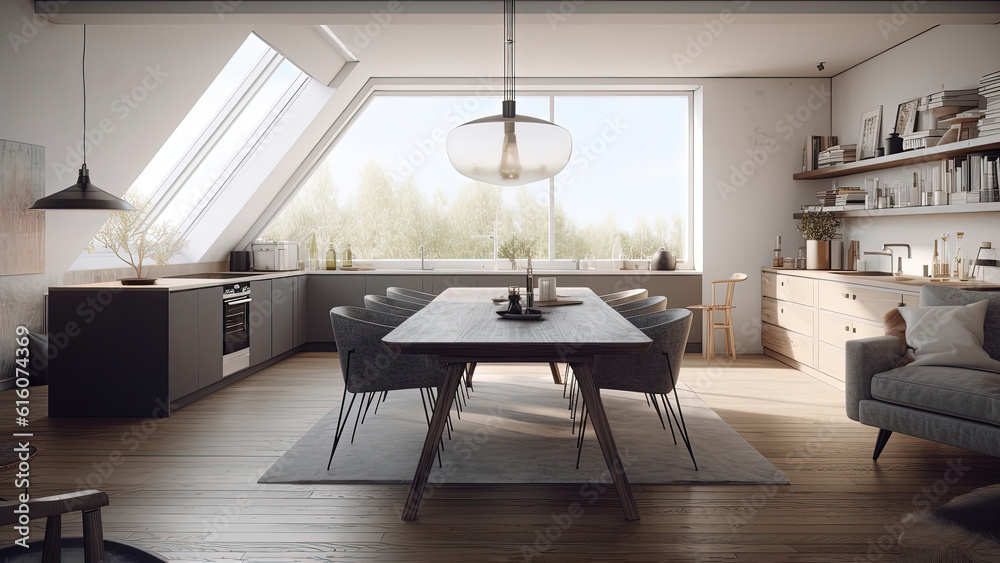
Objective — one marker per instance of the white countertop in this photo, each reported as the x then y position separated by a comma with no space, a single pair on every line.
910,284
184,284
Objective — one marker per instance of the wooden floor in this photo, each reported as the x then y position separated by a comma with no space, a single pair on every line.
186,486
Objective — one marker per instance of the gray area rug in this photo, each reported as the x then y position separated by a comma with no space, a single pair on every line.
516,429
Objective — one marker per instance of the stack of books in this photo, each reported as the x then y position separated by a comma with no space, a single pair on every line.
958,99
923,139
842,198
815,145
989,88
837,154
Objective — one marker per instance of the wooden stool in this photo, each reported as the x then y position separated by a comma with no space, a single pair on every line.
965,529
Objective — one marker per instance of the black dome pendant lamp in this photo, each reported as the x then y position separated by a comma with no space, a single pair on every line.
83,194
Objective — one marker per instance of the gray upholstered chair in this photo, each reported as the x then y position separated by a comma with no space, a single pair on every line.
642,306
622,297
407,294
392,305
655,372
370,368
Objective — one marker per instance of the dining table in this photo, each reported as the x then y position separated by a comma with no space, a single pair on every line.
461,326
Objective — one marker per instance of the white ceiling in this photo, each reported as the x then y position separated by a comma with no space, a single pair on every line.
644,38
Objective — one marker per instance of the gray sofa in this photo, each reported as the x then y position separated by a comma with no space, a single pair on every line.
955,406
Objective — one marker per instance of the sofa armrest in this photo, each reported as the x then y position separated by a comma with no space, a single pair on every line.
865,358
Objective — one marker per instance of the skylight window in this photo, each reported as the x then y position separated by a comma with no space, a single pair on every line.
246,108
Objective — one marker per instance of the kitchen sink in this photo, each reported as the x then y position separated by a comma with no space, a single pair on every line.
217,275
862,273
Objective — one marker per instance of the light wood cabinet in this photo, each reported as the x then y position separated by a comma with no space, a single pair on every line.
807,322
787,314
793,345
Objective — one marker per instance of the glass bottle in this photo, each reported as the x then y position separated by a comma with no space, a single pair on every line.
313,254
777,253
331,258
945,261
935,261
347,263
958,270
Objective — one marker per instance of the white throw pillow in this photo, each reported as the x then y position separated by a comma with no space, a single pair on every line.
948,336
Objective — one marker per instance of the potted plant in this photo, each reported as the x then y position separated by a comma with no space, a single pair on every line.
133,240
514,247
818,228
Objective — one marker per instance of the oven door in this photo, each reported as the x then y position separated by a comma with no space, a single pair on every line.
236,334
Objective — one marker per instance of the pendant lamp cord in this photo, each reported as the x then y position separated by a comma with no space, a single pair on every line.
508,58
83,68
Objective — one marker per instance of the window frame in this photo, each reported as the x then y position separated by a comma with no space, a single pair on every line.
527,87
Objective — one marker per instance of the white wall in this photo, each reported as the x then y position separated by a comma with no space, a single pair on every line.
168,67
754,130
946,57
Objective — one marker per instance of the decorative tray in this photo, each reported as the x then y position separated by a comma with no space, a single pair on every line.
528,315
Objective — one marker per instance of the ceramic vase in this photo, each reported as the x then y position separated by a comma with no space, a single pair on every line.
663,260
817,255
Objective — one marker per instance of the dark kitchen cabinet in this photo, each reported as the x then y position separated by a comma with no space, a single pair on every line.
260,321
282,315
210,322
326,292
299,317
183,334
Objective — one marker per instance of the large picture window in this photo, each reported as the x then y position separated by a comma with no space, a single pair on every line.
387,187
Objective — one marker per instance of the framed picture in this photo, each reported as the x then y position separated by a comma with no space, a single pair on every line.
906,117
871,128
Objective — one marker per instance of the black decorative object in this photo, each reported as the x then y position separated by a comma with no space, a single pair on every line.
893,143
514,308
663,260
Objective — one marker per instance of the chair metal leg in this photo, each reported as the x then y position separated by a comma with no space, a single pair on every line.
357,417
341,424
583,430
371,397
566,381
659,413
681,426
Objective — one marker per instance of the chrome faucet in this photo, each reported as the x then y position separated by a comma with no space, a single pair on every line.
496,240
887,245
422,267
899,268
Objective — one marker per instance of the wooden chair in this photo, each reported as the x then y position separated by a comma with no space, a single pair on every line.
727,309
54,547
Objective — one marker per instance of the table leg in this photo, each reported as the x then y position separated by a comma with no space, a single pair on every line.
556,378
599,418
446,396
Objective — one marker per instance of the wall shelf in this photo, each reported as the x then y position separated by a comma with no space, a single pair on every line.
916,156
922,210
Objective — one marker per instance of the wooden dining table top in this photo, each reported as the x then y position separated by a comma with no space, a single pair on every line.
462,322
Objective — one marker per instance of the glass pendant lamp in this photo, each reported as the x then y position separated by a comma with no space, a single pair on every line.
83,194
509,149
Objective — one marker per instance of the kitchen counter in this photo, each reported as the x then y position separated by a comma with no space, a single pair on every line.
184,284
909,284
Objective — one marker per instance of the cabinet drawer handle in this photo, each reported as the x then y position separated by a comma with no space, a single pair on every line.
854,330
782,284
854,297
782,310
847,296
847,328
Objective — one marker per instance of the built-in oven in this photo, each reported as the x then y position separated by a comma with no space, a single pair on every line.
235,327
